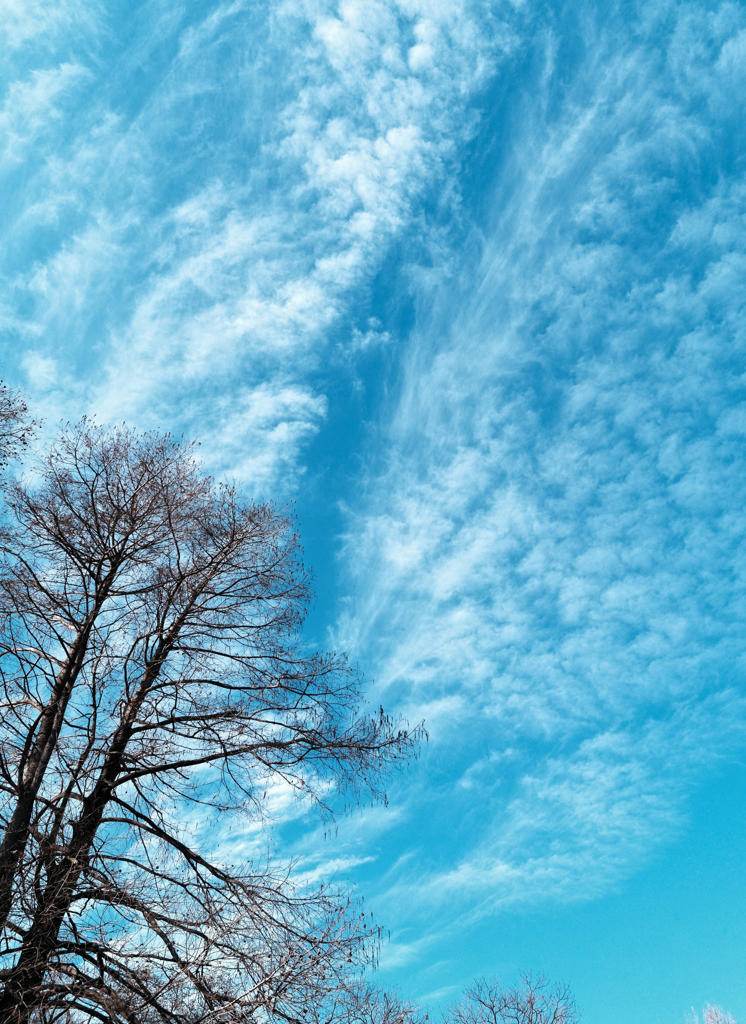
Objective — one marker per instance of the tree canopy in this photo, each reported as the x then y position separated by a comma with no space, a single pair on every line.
152,668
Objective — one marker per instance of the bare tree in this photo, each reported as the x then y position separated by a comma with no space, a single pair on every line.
535,1001
712,1015
15,426
360,1003
152,669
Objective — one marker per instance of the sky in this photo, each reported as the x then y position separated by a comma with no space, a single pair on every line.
463,282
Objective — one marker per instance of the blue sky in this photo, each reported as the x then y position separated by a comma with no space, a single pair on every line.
465,281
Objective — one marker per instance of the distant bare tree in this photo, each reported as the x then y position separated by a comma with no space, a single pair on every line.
357,1002
712,1015
151,670
364,1004
535,1001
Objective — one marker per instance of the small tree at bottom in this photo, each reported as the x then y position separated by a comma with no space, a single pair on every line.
534,1001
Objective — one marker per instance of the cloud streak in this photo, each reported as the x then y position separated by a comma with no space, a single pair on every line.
230,246
547,563
542,548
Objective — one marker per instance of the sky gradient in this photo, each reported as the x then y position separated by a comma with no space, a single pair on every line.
465,282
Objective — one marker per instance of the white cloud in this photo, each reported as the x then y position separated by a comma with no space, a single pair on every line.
262,434
544,555
179,284
30,107
25,21
41,371
553,535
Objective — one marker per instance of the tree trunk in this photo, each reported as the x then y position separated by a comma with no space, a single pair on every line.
23,988
50,725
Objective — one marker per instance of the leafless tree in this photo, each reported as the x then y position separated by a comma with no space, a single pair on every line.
535,1001
152,670
712,1015
360,1003
15,426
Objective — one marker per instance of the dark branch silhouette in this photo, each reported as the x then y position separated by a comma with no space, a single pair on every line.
152,673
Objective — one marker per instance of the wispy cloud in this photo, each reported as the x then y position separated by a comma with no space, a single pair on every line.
29,108
547,560
35,21
580,819
543,549
222,244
